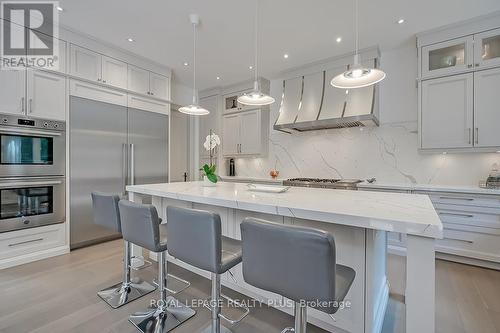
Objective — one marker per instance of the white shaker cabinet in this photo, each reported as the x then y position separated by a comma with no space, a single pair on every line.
138,80
243,133
145,82
12,94
158,85
231,136
447,112
114,72
487,108
46,95
250,136
85,63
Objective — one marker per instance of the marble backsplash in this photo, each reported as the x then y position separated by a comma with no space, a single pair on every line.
388,153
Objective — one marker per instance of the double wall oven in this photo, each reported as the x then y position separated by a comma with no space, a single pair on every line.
32,172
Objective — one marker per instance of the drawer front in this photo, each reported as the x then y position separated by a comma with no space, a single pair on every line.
469,218
466,200
16,243
470,244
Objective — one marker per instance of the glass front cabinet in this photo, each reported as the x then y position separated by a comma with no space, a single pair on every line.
450,57
487,49
473,52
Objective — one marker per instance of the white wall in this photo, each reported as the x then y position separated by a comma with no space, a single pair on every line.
181,94
388,152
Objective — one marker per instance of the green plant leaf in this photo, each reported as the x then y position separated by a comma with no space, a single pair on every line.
212,168
206,169
212,177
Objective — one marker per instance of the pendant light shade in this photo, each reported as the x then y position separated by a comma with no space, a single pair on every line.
256,97
194,109
357,76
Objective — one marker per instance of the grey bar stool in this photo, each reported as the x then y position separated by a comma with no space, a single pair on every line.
105,211
297,263
195,237
141,226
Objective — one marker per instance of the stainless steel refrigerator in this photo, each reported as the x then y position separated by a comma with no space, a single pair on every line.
110,146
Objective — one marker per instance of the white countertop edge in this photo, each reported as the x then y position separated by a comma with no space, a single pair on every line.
431,231
432,188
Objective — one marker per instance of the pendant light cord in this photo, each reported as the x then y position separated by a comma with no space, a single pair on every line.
356,20
195,100
256,30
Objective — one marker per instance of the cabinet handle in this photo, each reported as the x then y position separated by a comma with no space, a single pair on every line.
456,214
22,104
477,135
26,242
31,105
470,135
456,198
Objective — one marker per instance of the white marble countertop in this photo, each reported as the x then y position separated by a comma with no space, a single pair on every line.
431,188
405,213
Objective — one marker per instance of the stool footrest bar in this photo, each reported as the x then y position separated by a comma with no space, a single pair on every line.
238,304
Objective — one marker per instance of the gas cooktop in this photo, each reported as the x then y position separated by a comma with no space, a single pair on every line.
346,184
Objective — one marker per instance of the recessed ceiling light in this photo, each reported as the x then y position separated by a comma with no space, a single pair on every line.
218,77
59,8
401,21
130,39
339,39
250,67
285,56
186,64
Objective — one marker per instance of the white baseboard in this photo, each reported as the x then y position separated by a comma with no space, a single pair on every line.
30,257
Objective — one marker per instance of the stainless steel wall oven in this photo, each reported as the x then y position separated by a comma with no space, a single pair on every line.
32,172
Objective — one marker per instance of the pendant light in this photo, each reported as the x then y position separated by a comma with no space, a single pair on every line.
194,108
256,96
357,76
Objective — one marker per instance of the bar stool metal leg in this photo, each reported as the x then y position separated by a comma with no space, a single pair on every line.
168,313
127,290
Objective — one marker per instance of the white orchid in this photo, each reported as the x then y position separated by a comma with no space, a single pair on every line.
211,141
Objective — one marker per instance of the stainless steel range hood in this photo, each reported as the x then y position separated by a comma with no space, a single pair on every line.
309,103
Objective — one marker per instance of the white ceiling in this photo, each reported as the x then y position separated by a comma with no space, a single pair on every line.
306,30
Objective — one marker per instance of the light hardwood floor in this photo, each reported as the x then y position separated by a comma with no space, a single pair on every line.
59,295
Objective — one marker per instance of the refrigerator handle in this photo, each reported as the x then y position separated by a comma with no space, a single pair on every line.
132,165
124,168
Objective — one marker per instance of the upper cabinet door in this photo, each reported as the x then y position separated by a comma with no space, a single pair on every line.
46,95
487,49
453,56
114,72
12,94
486,108
158,85
231,135
138,80
60,61
250,133
447,109
85,63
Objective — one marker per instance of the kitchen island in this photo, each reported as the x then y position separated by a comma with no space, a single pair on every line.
359,221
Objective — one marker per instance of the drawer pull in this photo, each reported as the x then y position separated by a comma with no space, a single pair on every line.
457,198
26,242
460,240
456,214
